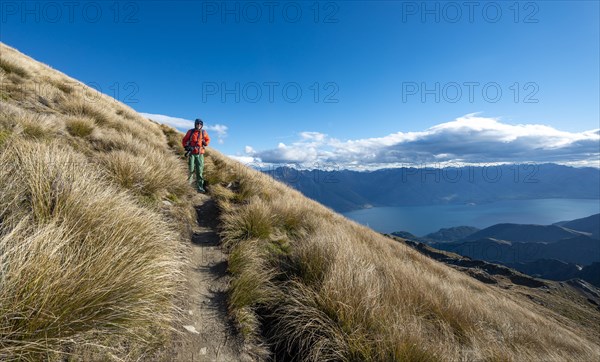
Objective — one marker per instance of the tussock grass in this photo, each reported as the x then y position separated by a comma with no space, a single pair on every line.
63,86
252,220
151,175
10,66
316,286
80,127
39,126
4,135
29,124
251,285
81,107
106,140
86,267
173,139
64,269
222,192
9,115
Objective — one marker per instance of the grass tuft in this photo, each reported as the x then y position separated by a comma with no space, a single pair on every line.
150,176
251,221
13,68
80,127
81,107
65,87
4,136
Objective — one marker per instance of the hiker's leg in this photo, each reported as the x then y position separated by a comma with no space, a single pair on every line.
191,168
200,172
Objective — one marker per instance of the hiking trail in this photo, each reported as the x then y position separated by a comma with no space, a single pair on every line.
208,335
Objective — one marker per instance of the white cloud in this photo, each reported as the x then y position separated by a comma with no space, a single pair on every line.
470,139
186,124
313,136
243,159
220,129
179,123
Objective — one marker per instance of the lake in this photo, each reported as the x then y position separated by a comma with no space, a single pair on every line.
422,220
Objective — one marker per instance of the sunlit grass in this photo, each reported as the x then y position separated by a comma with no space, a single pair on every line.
90,256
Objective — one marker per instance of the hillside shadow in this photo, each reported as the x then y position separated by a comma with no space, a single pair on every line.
207,217
206,238
207,214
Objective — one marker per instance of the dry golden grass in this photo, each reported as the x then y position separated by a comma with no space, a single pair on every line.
80,126
91,257
173,139
79,256
317,286
12,67
151,175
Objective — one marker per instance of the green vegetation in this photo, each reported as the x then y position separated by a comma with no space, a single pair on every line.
4,135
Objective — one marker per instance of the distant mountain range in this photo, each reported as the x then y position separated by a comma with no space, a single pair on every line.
351,190
562,251
524,233
581,250
451,234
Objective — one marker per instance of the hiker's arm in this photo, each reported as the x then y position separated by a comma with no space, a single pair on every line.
206,138
186,138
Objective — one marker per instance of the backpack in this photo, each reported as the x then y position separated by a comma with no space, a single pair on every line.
200,138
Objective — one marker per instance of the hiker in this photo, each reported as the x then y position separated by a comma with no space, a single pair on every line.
194,142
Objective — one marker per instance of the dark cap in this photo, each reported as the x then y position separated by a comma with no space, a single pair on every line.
198,121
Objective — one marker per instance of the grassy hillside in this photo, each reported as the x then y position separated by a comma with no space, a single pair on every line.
90,251
317,286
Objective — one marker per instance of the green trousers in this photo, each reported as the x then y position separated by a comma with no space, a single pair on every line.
196,163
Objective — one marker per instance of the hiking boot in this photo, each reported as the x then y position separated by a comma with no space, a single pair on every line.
201,190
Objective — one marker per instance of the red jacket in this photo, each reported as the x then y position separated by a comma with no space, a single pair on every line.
194,138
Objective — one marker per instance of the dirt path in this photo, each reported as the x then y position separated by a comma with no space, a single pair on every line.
208,336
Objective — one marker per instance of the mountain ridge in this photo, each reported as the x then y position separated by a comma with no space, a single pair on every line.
549,251
346,190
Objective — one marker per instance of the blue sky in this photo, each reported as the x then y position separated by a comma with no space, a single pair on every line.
369,73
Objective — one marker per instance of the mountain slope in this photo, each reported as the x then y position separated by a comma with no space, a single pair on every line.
581,250
523,233
452,234
92,215
552,252
562,298
590,224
